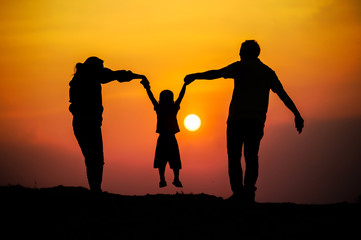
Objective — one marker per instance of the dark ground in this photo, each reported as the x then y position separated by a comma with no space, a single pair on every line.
75,213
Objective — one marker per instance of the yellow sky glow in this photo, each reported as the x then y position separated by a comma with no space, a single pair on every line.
314,47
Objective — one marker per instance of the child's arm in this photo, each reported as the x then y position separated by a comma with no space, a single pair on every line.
146,85
181,94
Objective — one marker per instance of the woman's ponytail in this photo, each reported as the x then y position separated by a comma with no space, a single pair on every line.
78,67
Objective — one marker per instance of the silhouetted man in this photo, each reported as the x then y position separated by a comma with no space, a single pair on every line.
247,114
87,109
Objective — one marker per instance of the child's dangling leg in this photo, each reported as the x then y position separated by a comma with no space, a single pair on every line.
162,182
176,181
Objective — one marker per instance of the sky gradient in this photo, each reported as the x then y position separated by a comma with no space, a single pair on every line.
314,47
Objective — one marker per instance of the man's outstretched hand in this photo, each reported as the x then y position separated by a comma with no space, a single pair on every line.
299,123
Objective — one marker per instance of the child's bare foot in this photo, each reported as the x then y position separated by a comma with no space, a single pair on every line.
177,183
162,184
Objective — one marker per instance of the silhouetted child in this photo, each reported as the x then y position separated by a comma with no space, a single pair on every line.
167,126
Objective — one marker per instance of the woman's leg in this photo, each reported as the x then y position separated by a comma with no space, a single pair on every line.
90,140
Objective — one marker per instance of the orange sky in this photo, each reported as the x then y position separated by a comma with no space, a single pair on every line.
314,47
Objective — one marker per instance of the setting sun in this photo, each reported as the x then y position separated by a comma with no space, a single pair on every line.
192,122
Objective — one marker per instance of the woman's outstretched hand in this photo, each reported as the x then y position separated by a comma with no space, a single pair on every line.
188,79
145,82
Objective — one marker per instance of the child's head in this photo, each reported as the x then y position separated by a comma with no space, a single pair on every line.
166,97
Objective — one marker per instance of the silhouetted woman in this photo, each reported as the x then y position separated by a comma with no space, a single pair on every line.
87,109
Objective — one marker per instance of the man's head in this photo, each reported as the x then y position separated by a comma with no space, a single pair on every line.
249,50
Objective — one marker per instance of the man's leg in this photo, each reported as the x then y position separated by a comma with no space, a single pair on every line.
234,150
251,148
